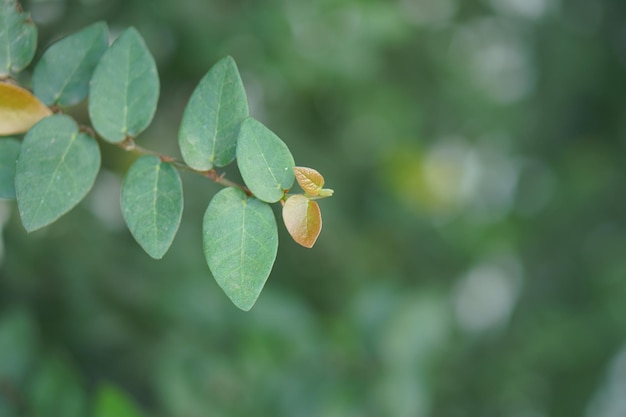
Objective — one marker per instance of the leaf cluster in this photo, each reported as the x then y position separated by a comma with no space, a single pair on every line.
56,164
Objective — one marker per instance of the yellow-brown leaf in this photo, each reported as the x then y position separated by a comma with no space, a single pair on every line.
303,219
19,109
309,180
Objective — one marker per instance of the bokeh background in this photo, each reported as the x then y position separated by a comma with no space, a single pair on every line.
473,258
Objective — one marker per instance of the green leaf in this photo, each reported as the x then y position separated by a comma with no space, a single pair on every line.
56,167
152,204
57,391
124,89
264,160
62,74
18,38
211,121
240,244
111,402
9,149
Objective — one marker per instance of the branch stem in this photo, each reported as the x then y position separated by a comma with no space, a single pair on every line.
129,145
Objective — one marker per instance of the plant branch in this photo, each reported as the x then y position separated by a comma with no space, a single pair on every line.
129,145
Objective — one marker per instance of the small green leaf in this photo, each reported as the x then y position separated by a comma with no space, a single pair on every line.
62,74
19,109
303,219
9,149
57,391
56,167
124,89
152,204
111,402
211,121
264,161
18,38
240,244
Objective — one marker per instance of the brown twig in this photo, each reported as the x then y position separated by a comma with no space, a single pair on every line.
129,145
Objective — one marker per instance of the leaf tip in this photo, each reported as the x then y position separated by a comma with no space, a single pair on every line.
229,59
247,306
326,192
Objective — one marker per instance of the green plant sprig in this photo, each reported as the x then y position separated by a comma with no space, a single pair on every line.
54,167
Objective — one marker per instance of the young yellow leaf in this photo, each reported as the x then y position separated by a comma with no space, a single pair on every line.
303,219
309,179
19,109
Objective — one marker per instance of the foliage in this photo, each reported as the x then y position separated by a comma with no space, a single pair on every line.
18,38
216,110
474,263
63,73
152,203
9,149
246,244
56,167
58,163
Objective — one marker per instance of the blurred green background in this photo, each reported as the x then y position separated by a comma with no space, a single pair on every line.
473,258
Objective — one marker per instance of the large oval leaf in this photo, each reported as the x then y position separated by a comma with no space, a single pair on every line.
211,121
152,204
19,109
56,167
9,149
62,74
124,89
303,219
240,244
265,162
18,38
